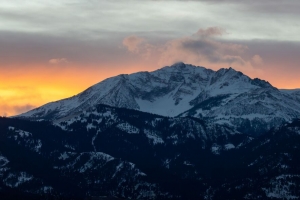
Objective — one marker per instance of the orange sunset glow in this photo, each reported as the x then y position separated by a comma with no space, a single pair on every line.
35,86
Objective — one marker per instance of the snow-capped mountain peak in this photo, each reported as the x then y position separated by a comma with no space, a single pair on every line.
224,96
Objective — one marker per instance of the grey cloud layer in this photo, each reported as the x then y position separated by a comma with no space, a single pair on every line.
94,19
29,49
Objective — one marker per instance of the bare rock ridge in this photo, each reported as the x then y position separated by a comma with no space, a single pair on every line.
225,96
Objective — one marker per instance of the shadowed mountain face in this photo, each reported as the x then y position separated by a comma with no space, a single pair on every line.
225,96
125,153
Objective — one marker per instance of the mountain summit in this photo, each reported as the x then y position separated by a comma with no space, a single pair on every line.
225,96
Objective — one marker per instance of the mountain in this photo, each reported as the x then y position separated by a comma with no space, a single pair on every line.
225,96
273,166
129,154
110,151
295,93
180,132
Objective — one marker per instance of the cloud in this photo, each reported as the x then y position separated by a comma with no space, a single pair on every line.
199,47
133,43
24,50
10,110
56,61
211,31
23,108
257,60
138,45
15,99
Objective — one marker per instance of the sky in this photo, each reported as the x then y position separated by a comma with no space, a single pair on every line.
51,50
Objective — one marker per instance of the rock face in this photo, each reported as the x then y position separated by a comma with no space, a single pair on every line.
225,96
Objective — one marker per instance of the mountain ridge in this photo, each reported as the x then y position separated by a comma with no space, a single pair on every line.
110,151
224,96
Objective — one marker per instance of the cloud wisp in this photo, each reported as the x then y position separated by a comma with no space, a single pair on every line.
257,60
10,110
56,61
204,46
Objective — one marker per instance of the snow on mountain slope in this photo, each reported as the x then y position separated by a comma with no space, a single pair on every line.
110,151
295,93
187,90
166,91
256,110
154,129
